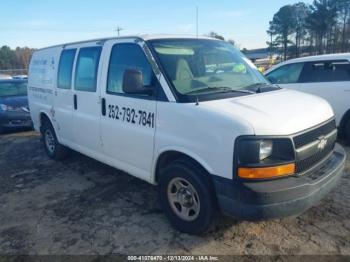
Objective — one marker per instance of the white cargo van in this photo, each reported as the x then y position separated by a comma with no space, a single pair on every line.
191,115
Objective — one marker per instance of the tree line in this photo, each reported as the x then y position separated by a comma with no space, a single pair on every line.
320,28
15,59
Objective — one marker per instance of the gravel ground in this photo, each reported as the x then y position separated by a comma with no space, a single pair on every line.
80,206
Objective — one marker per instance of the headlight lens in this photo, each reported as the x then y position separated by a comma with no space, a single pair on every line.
252,150
265,149
264,157
3,107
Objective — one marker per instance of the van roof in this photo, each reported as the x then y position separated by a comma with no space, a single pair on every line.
144,37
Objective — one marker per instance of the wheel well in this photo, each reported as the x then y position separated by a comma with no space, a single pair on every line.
167,157
343,123
43,118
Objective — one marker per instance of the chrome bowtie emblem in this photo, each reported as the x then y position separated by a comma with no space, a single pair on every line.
322,142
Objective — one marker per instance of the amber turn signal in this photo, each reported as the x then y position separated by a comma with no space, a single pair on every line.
266,172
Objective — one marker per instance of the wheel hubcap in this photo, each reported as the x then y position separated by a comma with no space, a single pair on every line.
49,141
183,199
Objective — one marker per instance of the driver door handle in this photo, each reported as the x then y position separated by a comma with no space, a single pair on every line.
75,102
103,106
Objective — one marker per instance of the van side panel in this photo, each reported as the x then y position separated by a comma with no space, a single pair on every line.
42,79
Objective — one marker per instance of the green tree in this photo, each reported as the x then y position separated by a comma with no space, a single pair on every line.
7,58
343,8
215,35
301,12
282,26
15,59
273,43
322,27
321,21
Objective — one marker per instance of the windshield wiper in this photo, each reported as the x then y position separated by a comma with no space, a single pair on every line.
221,89
257,87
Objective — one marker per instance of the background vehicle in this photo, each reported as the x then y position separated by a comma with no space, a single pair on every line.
14,110
327,76
20,77
5,77
191,115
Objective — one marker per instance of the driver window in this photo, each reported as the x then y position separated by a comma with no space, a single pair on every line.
127,56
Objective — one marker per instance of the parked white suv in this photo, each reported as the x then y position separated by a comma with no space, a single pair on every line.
327,76
191,115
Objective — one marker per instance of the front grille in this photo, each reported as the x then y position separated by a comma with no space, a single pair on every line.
314,134
310,136
307,163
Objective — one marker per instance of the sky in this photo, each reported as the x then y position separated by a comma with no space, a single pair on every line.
40,23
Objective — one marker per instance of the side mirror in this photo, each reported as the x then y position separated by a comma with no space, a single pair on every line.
133,83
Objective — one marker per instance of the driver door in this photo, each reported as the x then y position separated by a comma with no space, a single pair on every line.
128,120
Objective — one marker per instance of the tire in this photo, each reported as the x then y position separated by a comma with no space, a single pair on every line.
52,147
186,182
347,131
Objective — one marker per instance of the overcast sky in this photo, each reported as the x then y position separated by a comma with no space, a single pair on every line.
40,23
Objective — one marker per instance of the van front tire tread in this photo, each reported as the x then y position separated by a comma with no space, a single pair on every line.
200,180
347,131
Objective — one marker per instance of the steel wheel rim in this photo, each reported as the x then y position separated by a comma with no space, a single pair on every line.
183,199
49,141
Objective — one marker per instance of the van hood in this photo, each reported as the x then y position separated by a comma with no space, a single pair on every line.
281,112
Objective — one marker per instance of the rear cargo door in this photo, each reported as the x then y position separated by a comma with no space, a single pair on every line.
64,95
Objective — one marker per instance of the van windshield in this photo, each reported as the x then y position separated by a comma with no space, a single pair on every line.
205,68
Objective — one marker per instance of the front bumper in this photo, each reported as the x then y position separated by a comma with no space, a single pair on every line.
282,197
15,119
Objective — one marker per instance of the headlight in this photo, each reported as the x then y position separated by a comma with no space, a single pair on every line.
265,149
3,107
263,157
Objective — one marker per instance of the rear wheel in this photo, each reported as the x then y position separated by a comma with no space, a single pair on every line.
52,147
187,196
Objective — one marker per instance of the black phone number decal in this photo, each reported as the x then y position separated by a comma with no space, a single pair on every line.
130,115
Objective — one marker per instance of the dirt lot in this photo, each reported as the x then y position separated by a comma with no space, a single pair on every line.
80,206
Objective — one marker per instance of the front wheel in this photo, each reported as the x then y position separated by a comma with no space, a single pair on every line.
347,131
187,197
52,147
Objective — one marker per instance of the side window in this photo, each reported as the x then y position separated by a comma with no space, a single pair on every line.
127,56
286,74
340,70
86,69
326,71
65,69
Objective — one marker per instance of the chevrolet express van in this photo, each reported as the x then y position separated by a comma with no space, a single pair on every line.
192,116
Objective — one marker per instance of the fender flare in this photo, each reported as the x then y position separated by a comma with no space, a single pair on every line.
180,150
52,121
